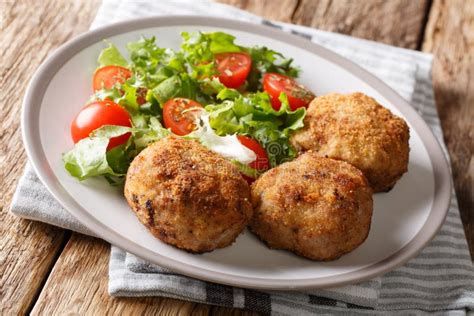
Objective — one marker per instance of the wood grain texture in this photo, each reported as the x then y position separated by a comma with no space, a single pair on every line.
28,252
280,10
27,249
450,37
78,285
394,22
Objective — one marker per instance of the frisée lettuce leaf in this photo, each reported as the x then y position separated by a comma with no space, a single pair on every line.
266,60
199,49
253,115
159,74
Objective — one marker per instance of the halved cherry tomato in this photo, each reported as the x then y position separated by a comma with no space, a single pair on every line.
233,68
261,163
106,77
98,114
175,117
298,95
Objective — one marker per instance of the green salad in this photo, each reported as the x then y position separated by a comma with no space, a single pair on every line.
242,102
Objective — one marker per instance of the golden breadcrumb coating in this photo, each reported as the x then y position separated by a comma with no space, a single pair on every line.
356,129
317,207
187,195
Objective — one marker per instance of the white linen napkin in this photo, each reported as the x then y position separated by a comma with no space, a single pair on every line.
439,279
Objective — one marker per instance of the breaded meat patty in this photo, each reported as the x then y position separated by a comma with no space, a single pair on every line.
187,195
358,130
317,207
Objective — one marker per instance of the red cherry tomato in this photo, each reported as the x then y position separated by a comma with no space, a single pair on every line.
298,95
261,163
106,77
98,114
233,68
180,123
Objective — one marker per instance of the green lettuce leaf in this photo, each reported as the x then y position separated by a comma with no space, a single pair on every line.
181,85
111,56
110,131
253,115
201,46
118,159
145,54
199,49
88,158
148,129
248,171
266,60
213,87
154,64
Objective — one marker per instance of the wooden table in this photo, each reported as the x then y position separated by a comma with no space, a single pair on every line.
47,270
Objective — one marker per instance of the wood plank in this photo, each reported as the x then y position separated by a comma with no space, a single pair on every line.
279,10
29,31
28,250
395,22
450,37
78,285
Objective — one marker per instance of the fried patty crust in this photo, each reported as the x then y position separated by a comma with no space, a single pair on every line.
187,195
356,129
316,207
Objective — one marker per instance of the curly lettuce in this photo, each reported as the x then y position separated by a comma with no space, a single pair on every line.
199,49
159,74
253,115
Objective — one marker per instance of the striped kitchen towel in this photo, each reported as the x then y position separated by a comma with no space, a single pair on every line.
440,279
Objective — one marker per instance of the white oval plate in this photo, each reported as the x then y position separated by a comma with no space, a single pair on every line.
404,220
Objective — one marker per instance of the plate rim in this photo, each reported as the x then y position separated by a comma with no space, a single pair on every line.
34,149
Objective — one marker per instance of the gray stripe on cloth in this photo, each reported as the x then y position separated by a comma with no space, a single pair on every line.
257,301
318,300
122,280
438,280
136,264
31,200
433,269
219,294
